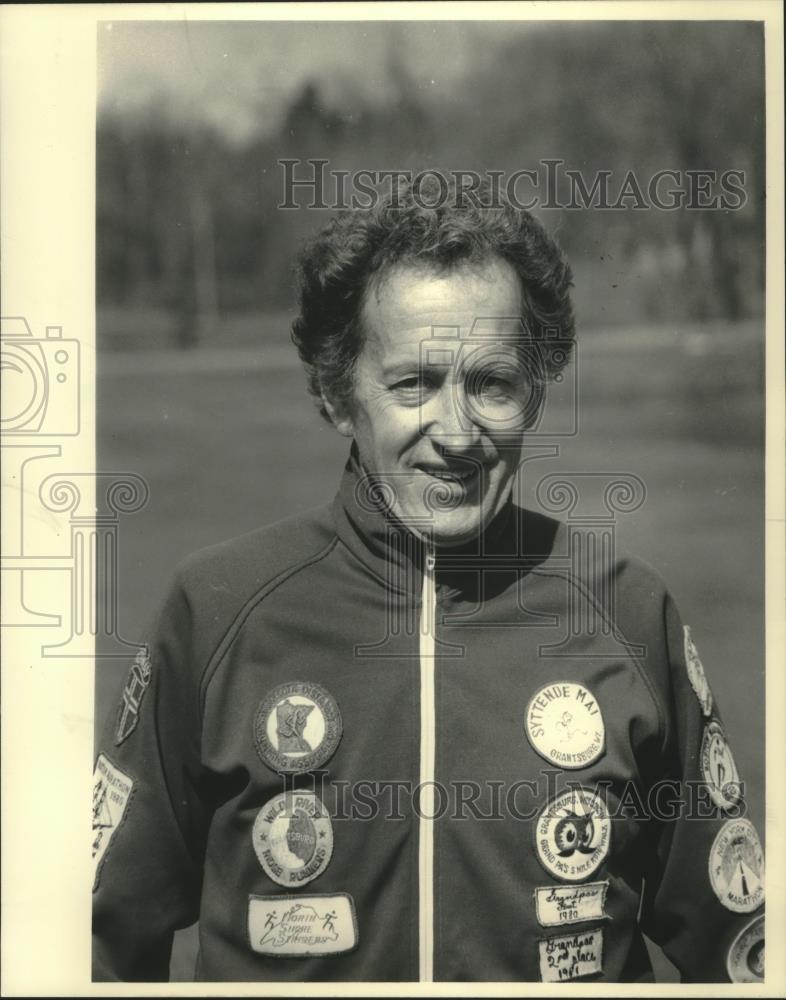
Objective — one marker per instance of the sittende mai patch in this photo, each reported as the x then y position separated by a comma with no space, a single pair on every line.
736,866
571,956
745,962
300,926
558,905
138,682
696,675
573,835
111,793
293,838
565,725
297,727
718,767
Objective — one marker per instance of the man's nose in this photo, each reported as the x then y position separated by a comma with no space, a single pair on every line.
448,421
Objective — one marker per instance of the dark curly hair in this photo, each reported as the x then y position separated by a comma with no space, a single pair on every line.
336,267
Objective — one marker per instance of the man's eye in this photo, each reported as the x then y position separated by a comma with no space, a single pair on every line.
412,385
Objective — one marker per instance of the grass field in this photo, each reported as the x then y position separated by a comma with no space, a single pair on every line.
228,441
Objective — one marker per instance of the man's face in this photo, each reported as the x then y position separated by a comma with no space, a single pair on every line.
438,415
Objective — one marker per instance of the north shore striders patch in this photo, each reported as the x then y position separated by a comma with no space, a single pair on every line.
696,675
573,834
293,838
718,767
736,866
297,727
565,725
745,961
136,685
302,926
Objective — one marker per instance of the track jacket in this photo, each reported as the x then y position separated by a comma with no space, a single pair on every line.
353,757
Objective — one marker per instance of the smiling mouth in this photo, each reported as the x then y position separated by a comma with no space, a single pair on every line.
462,476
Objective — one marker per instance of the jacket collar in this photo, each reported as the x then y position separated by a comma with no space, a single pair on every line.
515,539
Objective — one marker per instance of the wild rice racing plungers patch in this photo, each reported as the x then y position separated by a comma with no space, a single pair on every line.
737,866
565,725
297,727
573,835
293,838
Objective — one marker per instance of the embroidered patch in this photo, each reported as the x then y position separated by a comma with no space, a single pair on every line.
111,793
696,675
300,926
565,725
293,838
297,727
718,767
573,835
745,962
571,956
133,693
557,905
736,866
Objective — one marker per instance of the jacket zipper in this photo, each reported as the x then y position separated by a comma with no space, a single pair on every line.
427,758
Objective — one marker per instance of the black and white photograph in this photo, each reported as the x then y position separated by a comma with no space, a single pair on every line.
421,570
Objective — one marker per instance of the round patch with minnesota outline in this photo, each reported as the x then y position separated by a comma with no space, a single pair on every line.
736,866
718,767
297,727
293,838
745,961
573,835
565,725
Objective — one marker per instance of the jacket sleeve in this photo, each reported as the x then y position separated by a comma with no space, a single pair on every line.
704,887
149,820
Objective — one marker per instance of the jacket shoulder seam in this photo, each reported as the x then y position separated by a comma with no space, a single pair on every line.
238,621
629,646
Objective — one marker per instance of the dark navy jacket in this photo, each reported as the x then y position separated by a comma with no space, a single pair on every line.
335,598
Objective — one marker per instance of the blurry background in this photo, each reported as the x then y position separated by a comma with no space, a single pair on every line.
199,389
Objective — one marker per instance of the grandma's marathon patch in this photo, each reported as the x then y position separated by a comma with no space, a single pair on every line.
302,926
111,793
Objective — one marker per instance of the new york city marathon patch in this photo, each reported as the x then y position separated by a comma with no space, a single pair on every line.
293,838
565,725
297,727
736,866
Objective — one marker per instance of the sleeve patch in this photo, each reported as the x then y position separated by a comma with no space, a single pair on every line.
112,791
745,962
736,866
696,675
137,684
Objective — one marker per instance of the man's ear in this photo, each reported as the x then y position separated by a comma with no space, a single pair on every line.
340,417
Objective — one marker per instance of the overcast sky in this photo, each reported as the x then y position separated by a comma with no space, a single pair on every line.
239,75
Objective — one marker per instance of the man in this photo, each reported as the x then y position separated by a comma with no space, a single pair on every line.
411,736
